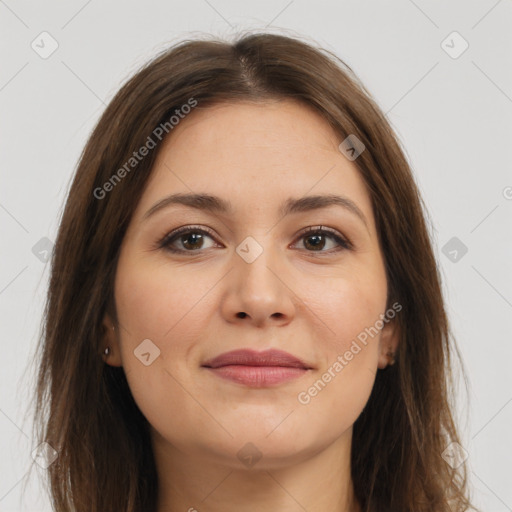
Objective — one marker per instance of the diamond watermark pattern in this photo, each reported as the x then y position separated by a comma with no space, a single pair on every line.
454,45
352,147
249,249
454,455
249,455
42,250
44,455
44,45
454,249
147,352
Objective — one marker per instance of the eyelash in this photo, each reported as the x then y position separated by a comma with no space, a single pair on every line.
174,235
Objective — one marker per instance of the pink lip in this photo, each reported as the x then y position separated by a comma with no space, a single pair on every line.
257,369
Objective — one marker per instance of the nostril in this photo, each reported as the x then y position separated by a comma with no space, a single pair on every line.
241,314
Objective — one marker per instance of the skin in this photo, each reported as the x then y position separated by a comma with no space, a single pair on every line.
312,306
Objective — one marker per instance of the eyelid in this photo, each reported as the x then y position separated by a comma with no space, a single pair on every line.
184,229
343,242
341,239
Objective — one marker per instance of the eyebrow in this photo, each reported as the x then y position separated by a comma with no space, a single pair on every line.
215,204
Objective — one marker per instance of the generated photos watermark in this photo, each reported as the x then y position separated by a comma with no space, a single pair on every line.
137,156
304,397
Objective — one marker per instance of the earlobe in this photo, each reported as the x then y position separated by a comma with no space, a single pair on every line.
388,345
110,343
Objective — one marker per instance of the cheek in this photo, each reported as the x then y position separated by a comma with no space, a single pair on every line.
157,302
351,307
172,308
341,387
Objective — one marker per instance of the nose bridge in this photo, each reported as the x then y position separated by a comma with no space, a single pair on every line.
257,290
254,259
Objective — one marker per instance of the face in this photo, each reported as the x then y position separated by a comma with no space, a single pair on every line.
251,278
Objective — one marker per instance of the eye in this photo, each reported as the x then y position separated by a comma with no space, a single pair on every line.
191,239
314,237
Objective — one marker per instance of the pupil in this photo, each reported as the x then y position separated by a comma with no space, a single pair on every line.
194,235
318,238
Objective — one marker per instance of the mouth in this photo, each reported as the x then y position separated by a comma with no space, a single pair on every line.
257,369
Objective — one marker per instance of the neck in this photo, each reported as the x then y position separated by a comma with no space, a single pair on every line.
313,482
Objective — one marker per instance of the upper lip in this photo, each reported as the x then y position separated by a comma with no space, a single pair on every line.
248,357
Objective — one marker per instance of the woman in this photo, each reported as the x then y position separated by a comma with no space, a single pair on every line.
245,311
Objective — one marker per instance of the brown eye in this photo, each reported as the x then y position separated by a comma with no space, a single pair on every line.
192,239
315,240
189,238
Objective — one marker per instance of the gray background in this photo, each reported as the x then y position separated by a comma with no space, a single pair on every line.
452,112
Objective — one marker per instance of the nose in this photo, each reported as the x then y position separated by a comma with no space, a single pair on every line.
257,293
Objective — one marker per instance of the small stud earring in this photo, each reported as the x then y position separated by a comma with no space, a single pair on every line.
107,351
391,358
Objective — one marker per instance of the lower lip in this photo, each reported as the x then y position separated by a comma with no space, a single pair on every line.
258,376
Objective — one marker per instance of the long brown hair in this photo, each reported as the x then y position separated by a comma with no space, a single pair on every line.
84,408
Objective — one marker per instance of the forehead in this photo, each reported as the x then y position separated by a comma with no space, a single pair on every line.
273,124
254,155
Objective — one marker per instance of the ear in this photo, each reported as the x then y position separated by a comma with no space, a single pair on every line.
388,345
110,339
